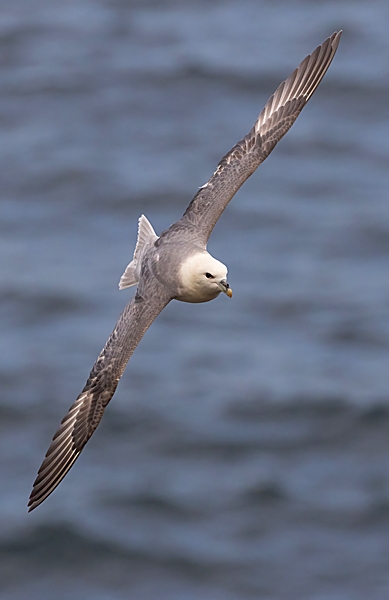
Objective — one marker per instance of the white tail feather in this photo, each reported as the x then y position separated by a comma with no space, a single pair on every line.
128,278
146,235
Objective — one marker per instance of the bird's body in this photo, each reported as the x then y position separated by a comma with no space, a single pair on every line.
176,265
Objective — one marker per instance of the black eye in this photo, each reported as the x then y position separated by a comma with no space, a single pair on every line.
208,276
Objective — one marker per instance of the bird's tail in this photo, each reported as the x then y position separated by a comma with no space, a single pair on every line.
146,235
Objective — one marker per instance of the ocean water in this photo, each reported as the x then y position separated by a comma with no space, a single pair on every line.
245,454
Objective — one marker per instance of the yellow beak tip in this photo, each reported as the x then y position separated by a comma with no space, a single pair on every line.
229,292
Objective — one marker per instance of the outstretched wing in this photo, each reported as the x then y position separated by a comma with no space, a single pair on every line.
84,416
279,114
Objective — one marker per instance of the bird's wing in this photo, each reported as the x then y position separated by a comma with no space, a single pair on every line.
85,414
279,114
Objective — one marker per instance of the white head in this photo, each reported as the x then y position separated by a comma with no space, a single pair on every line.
202,278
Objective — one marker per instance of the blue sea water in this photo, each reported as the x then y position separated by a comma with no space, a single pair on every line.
245,454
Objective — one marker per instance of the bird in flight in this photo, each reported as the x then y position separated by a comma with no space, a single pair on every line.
176,265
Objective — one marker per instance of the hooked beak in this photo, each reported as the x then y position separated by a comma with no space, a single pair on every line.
225,287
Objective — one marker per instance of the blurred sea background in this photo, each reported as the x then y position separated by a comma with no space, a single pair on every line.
245,454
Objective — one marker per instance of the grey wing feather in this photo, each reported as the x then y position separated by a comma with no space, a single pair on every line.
85,414
278,115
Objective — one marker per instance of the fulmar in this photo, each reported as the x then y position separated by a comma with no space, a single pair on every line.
176,265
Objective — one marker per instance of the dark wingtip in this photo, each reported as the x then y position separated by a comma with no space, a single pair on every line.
336,38
32,503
